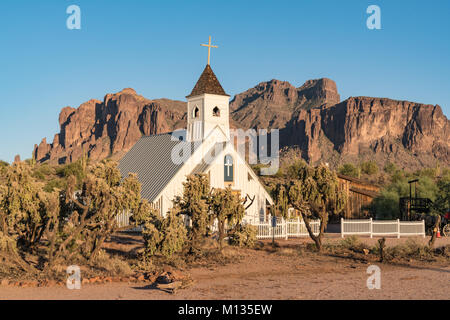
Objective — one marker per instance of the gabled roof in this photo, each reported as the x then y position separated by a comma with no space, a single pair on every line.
207,83
151,159
204,165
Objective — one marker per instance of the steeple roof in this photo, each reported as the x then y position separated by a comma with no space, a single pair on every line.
207,83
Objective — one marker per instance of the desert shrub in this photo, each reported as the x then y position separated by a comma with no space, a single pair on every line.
350,170
443,251
411,249
76,169
353,243
55,184
111,264
369,167
385,206
390,168
243,236
42,172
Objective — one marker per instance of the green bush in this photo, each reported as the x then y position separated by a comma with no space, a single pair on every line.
350,170
369,167
390,168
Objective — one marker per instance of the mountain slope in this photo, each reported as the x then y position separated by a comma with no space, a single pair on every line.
311,119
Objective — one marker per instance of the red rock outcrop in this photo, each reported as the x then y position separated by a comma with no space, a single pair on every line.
109,128
311,118
272,104
360,128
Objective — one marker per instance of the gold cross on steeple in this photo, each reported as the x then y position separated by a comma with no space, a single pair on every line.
209,48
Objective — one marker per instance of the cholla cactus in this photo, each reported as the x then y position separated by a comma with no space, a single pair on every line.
91,212
227,207
281,203
62,223
314,192
24,206
194,204
163,236
244,236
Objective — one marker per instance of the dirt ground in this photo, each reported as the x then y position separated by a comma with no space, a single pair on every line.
286,273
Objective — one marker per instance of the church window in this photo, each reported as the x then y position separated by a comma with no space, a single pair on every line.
195,112
228,168
216,112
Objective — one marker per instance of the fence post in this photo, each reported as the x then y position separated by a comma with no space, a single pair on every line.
423,224
371,228
285,229
342,227
398,228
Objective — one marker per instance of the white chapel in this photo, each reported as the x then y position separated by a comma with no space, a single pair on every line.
162,162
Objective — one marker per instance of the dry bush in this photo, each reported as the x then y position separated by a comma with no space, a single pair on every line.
411,249
112,265
353,243
288,252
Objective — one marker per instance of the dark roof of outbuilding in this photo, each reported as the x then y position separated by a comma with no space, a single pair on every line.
151,159
207,83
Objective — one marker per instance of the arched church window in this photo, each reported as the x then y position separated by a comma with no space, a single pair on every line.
216,112
228,168
195,112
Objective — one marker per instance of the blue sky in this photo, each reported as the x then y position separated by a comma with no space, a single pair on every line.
154,47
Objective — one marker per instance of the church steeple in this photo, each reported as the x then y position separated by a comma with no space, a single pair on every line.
207,83
208,106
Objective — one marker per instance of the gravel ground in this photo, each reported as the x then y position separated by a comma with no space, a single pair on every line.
284,274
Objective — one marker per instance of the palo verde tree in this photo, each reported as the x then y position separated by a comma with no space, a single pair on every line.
314,192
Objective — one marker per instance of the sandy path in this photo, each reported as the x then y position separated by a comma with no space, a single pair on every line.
281,275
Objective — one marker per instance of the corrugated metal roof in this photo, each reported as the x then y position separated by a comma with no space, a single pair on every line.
150,158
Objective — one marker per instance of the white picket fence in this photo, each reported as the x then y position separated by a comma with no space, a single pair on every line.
382,228
123,219
285,229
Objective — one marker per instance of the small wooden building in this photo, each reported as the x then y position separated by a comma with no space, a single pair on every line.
360,194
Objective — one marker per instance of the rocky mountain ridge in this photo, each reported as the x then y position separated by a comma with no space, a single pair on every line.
311,119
